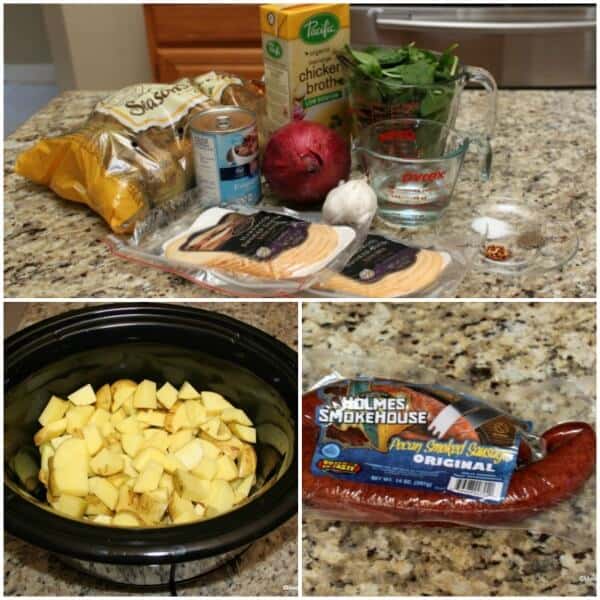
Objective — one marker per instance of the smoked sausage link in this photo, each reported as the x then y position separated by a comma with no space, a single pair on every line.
535,487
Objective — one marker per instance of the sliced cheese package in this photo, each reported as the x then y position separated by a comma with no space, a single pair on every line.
239,250
383,267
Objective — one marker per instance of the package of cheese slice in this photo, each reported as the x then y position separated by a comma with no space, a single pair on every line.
239,250
384,267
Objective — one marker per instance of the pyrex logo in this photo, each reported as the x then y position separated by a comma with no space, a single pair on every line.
411,176
406,135
274,49
319,28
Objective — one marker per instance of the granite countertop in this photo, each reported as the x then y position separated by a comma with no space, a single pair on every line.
536,360
544,148
268,567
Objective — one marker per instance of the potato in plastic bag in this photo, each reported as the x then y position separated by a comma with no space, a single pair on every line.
133,153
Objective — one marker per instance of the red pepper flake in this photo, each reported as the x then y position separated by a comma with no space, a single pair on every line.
497,252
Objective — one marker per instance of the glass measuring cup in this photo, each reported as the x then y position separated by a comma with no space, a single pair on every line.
413,166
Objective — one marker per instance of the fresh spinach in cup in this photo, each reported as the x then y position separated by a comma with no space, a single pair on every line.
400,79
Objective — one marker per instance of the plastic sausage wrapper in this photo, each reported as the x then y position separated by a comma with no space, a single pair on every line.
431,453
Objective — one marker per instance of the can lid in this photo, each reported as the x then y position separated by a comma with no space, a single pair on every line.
223,119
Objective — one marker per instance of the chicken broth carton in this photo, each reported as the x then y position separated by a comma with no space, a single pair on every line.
303,76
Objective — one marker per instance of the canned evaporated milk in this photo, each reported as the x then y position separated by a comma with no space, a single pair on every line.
226,155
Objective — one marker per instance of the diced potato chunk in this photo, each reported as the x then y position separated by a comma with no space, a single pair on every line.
191,487
247,461
169,463
50,431
121,391
166,482
104,397
100,417
83,396
128,425
106,463
167,395
55,410
190,455
196,413
125,519
105,491
206,468
247,434
177,420
235,415
93,439
145,395
149,478
242,490
187,392
72,506
226,468
57,441
132,443
154,418
78,417
156,438
179,439
179,505
221,496
209,449
214,403
216,429
69,469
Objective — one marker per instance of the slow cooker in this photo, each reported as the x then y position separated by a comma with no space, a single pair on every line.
165,343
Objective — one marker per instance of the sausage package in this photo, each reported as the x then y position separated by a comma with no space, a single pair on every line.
413,449
238,249
134,152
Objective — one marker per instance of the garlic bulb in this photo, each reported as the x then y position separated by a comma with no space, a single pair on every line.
352,202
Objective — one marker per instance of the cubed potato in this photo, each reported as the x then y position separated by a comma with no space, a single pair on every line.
106,463
93,439
119,478
154,418
104,397
50,431
100,417
57,441
169,463
69,469
105,491
78,417
190,455
231,447
83,396
179,439
187,392
121,390
72,506
242,490
209,449
46,452
151,508
235,415
132,443
200,509
128,406
128,468
95,506
157,438
196,413
117,417
221,496
206,468
102,519
54,411
149,477
128,424
145,395
185,517
107,430
166,483
179,505
247,461
246,434
214,403
177,420
216,429
190,487
167,395
125,519
226,468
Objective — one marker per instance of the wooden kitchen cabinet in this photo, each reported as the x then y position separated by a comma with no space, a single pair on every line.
186,40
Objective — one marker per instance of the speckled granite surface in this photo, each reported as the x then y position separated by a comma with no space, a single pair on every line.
268,567
544,146
536,360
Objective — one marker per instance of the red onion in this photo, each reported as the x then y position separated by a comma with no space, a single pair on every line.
304,160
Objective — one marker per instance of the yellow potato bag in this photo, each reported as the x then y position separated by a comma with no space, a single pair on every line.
133,153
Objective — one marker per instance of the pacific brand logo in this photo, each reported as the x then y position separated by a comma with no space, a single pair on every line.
319,28
274,49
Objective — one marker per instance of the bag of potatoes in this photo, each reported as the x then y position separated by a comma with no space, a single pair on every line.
133,153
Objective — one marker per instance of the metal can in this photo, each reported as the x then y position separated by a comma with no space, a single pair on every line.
226,161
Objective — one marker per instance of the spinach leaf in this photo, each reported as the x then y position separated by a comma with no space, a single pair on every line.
418,73
367,63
